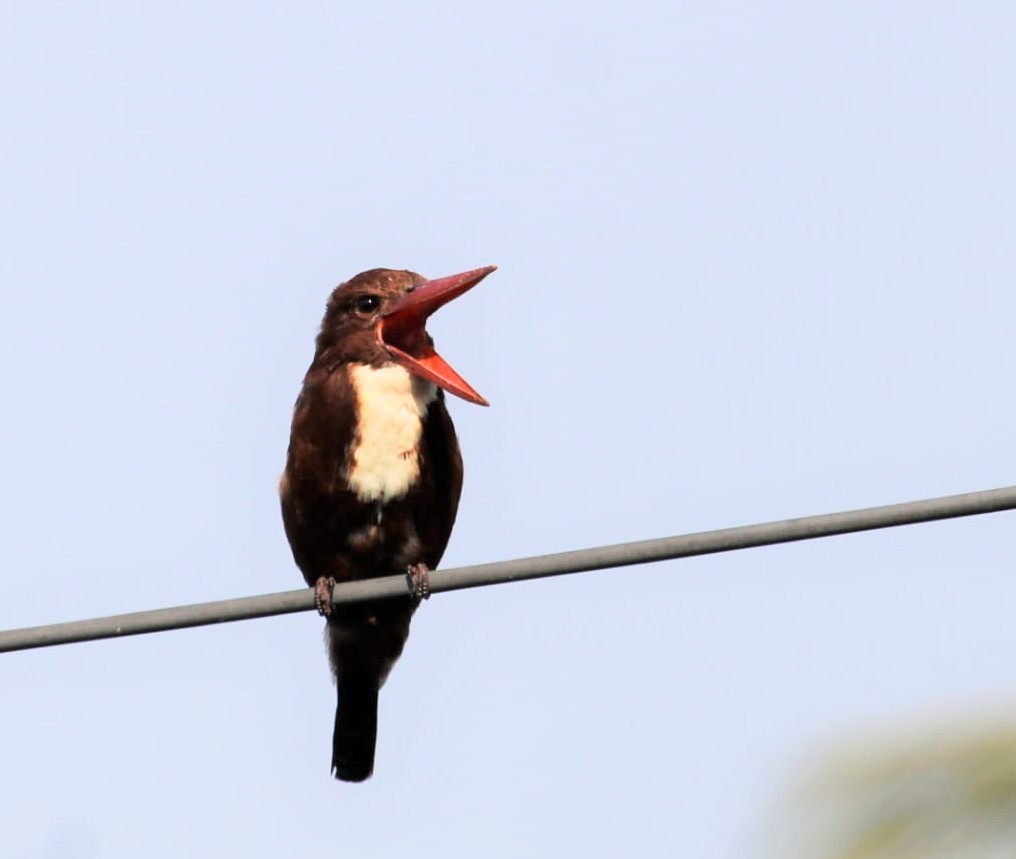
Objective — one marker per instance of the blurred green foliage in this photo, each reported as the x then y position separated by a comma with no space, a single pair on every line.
933,794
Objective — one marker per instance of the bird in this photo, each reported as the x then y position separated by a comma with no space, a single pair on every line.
372,479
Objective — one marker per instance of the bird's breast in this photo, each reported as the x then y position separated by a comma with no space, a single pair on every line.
384,454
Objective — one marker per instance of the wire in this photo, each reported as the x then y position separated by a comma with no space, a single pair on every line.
602,557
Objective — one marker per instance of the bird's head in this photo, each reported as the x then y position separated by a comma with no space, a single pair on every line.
380,316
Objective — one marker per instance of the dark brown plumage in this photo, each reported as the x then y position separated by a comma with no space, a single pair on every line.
372,479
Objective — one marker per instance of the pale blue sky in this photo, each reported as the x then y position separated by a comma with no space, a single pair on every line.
756,261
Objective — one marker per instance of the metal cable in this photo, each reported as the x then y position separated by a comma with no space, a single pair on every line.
621,555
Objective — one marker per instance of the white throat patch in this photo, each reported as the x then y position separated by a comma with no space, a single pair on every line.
390,403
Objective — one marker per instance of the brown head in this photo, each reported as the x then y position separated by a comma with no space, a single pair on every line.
380,316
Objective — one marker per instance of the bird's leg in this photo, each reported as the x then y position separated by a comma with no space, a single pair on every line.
323,595
418,579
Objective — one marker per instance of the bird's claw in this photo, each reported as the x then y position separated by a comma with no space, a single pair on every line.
418,579
323,595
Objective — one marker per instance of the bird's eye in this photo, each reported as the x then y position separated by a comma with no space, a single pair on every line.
367,303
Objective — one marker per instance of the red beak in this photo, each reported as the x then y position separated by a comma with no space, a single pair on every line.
402,331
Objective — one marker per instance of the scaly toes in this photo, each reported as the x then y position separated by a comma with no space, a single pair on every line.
323,595
418,579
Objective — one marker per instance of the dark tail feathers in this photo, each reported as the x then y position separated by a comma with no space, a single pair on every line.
355,731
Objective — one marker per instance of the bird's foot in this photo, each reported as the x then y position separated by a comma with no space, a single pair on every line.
418,579
323,595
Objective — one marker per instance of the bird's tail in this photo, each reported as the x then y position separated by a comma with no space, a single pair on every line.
355,730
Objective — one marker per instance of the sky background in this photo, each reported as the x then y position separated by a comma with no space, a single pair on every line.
756,261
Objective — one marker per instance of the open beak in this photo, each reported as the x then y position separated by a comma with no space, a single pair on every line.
402,331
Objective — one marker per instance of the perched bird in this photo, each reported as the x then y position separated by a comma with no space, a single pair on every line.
372,479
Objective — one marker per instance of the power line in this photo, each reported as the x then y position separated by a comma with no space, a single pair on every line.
583,560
